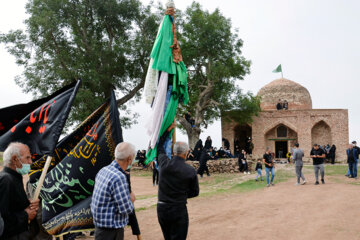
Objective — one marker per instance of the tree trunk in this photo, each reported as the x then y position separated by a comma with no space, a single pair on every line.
193,137
192,132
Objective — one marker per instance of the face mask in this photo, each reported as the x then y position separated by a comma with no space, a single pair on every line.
354,145
129,167
25,169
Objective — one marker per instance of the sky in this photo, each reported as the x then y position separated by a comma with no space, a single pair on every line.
316,41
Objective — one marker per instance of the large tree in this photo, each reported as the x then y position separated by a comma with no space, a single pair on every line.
212,52
106,43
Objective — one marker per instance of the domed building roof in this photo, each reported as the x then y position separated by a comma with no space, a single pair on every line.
297,96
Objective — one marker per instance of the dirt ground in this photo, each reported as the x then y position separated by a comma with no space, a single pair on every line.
284,211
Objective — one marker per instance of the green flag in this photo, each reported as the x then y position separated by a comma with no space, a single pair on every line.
278,69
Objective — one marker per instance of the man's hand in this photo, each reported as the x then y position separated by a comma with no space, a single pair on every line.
31,213
32,209
132,197
34,204
172,126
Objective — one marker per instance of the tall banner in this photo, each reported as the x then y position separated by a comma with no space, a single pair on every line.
166,82
38,124
68,187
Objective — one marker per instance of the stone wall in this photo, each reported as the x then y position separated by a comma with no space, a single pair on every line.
229,165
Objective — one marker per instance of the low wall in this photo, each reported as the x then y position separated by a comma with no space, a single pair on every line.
228,165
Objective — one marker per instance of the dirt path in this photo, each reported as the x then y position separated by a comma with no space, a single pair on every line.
285,211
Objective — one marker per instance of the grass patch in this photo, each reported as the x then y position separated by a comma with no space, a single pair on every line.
145,208
226,185
251,185
140,173
333,170
142,197
140,209
218,179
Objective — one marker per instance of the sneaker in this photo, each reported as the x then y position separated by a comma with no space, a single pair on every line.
322,181
208,175
316,183
297,184
303,183
346,175
256,180
268,185
272,184
262,180
248,172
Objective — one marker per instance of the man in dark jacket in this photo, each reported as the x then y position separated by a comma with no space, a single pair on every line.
352,159
15,208
178,182
318,156
204,157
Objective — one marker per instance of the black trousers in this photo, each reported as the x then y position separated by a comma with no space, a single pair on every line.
155,176
243,167
332,159
203,167
109,233
174,221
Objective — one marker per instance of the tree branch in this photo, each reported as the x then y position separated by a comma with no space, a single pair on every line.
57,49
131,94
188,128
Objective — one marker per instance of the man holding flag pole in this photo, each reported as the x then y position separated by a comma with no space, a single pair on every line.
32,128
165,88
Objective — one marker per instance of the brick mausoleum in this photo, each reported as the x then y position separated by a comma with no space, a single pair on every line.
280,129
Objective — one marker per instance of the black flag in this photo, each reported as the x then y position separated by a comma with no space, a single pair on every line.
68,187
39,123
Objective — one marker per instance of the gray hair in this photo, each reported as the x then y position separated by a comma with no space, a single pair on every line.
12,150
267,148
180,148
124,150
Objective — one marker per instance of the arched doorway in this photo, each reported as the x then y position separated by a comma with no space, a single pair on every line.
280,139
242,137
321,133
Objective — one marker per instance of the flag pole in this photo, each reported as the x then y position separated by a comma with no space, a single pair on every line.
42,178
174,137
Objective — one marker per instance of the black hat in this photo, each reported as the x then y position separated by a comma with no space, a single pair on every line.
353,142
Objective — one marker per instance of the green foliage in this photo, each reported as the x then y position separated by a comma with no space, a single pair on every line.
212,53
333,170
106,43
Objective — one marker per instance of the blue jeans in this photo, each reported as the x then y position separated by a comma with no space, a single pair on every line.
268,171
355,168
351,169
259,173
